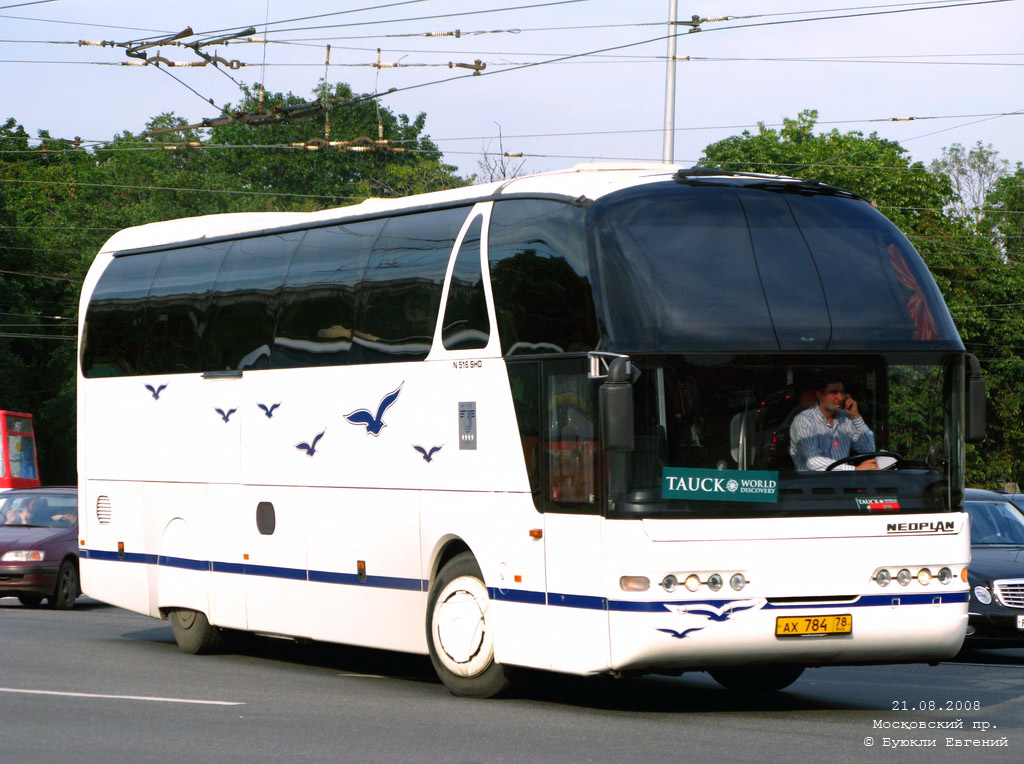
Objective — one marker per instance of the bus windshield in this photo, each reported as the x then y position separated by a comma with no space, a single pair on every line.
760,436
748,269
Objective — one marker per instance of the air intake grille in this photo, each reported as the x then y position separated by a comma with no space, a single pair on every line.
1011,592
103,510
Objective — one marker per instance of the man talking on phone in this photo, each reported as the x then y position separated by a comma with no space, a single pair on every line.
825,433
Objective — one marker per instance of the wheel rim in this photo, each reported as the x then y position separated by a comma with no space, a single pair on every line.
66,591
462,636
185,618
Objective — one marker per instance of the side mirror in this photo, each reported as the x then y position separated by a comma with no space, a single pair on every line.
616,400
975,413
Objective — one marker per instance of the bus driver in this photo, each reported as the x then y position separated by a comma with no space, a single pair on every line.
824,433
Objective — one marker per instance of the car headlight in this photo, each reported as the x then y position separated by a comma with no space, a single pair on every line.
23,555
983,595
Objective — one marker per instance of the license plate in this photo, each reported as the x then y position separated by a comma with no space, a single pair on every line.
1020,622
804,625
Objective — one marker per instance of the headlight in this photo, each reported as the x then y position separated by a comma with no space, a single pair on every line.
23,555
883,577
714,582
904,577
924,576
983,595
738,581
945,576
692,583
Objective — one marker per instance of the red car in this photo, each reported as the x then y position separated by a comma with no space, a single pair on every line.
39,546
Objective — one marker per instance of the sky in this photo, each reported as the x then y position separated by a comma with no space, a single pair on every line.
957,68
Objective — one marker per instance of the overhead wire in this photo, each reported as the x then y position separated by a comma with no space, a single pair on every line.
28,2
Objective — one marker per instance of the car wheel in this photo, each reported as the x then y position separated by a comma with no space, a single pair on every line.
460,632
193,632
66,591
756,678
30,600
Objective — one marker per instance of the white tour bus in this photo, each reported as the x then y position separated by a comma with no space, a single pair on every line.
546,422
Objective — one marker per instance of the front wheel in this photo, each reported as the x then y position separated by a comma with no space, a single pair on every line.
193,632
66,591
756,678
460,632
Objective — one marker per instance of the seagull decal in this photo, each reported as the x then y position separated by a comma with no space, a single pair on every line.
374,422
717,614
310,448
268,411
226,416
428,455
682,634
156,391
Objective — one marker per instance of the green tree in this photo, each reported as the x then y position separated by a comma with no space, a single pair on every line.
1004,213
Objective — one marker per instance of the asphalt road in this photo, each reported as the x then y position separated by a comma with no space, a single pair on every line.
101,684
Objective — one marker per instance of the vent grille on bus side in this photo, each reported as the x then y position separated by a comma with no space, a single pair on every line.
103,510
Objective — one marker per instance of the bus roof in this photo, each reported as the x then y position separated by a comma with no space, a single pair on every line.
589,180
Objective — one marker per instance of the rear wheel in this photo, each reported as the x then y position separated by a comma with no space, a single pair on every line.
193,632
66,591
756,678
460,632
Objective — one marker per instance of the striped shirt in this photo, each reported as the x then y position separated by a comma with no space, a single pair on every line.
814,444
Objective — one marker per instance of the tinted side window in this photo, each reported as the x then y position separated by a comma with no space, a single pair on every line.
401,292
245,303
539,278
318,302
113,321
466,326
178,312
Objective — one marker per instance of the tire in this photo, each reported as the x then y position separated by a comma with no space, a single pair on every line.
193,632
66,591
30,600
756,678
460,633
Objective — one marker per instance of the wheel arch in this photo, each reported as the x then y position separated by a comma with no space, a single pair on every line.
445,550
181,578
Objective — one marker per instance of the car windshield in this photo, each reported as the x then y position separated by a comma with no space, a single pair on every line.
39,510
750,436
995,522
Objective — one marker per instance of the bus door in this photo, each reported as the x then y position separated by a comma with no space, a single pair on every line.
569,461
18,466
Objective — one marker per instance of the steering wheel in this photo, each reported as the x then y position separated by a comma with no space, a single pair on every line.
856,459
995,538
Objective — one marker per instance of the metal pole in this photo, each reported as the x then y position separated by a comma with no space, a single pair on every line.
668,146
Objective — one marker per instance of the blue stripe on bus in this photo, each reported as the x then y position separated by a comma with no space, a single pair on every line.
182,562
97,554
585,602
517,595
524,596
272,571
227,567
868,600
377,582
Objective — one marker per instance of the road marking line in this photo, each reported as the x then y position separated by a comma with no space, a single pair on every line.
123,697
